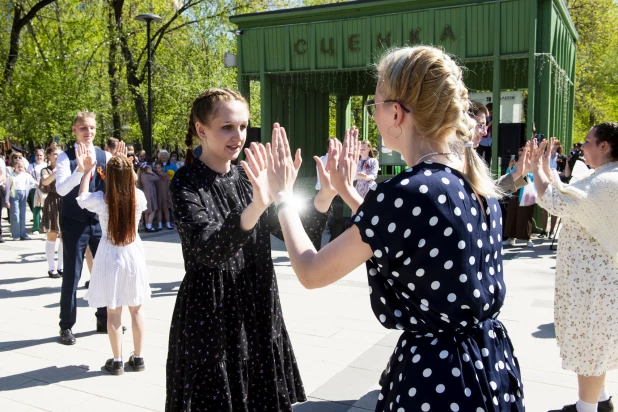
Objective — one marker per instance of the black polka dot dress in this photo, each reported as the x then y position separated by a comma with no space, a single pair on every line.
228,349
437,275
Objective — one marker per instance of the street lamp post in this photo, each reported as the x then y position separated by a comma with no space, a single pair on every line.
148,18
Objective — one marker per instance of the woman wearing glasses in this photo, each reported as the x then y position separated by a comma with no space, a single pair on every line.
430,238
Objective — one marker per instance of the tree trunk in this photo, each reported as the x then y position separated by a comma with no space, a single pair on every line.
19,22
112,70
133,81
13,46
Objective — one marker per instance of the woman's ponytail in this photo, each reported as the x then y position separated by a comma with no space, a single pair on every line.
190,157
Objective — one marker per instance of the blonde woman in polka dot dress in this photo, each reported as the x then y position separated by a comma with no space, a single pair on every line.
431,240
229,349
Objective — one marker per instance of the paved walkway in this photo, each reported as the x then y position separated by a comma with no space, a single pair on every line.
341,348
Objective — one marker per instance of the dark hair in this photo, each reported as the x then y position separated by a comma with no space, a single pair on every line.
174,153
203,110
608,132
477,108
489,106
112,143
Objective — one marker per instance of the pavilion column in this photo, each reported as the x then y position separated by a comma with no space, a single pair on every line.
344,115
496,88
531,70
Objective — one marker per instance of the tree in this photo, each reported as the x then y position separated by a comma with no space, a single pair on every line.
596,88
21,19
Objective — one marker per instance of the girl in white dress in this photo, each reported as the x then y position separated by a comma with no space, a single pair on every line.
119,276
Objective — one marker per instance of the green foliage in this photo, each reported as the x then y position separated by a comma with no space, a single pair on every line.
63,66
596,86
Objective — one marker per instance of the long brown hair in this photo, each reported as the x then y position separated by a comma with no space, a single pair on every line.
120,194
203,110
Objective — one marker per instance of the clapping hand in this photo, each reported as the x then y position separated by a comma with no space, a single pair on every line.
121,151
326,185
89,163
256,168
522,166
343,160
282,170
537,155
80,154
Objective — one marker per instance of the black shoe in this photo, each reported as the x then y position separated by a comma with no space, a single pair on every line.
567,408
151,230
88,285
169,228
543,234
1,240
102,327
137,363
115,368
53,274
66,337
25,238
61,272
606,406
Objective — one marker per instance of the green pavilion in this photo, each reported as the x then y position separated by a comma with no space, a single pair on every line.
310,61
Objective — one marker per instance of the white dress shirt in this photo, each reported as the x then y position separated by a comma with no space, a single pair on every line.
65,180
2,171
324,159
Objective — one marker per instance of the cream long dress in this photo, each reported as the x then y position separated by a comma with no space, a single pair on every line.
586,295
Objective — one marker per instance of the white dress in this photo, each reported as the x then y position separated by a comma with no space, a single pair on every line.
586,294
119,275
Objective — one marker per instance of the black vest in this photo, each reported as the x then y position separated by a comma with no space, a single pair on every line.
68,204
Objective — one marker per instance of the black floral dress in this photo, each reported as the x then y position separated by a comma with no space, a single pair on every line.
229,349
437,275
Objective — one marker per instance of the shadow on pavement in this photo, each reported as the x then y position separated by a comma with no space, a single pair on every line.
47,376
546,331
366,401
23,258
21,344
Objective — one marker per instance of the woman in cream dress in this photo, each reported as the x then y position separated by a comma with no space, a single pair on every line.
586,296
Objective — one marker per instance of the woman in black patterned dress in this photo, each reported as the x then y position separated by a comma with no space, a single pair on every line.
51,213
229,349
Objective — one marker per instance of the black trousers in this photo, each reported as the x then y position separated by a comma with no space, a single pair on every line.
76,236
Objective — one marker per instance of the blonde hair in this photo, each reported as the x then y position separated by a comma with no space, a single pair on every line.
204,109
429,83
84,114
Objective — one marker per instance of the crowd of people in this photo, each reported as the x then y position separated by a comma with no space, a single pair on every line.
431,238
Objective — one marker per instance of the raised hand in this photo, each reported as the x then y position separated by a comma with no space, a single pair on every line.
80,154
326,185
282,170
122,149
547,156
89,163
537,155
256,168
343,160
520,165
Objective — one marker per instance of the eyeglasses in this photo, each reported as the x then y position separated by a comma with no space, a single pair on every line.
371,106
481,126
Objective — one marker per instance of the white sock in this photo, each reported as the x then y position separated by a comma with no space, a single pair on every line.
160,225
117,359
604,396
586,407
137,357
60,257
50,249
148,225
168,224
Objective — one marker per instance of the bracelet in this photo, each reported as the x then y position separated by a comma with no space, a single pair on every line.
282,206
